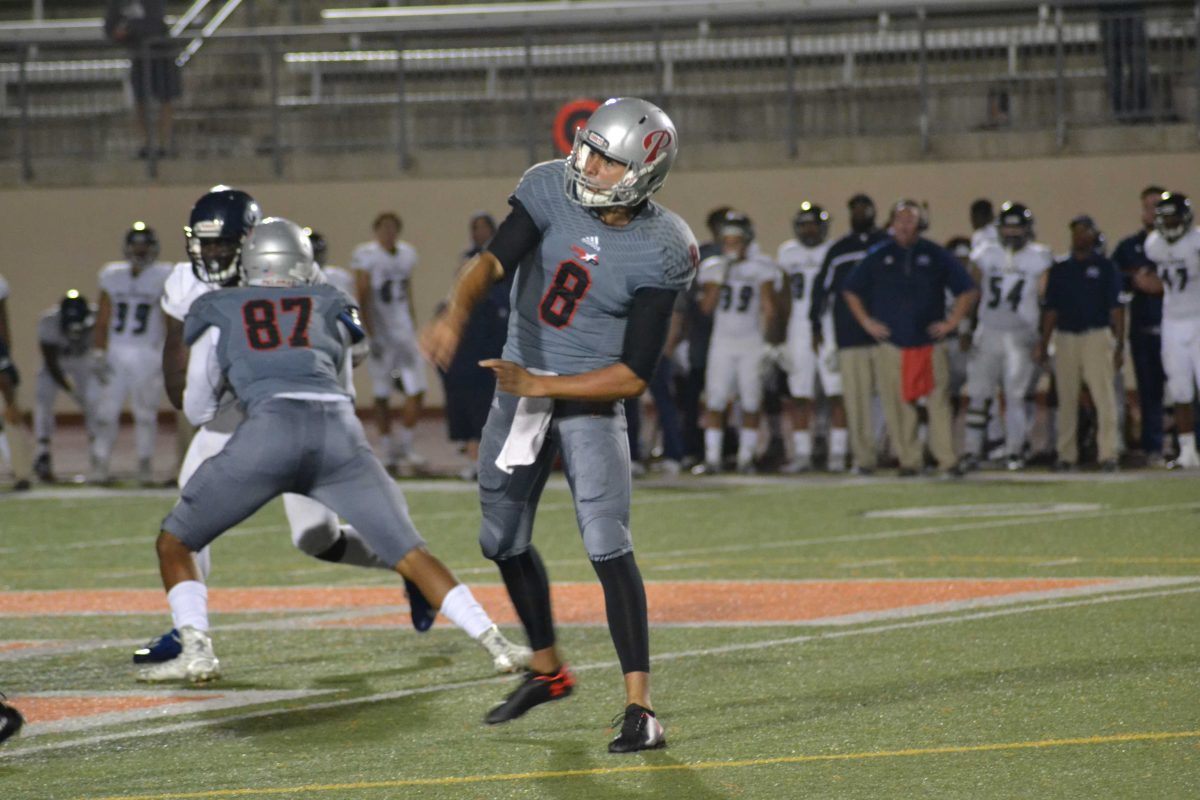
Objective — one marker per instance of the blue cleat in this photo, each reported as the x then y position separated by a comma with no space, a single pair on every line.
422,612
159,649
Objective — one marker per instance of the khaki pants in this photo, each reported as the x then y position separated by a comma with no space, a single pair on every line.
857,387
902,417
1081,358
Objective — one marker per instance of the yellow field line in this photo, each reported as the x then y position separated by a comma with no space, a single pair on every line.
645,768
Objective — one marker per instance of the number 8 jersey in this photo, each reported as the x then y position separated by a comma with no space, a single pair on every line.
1178,265
572,293
1009,283
135,320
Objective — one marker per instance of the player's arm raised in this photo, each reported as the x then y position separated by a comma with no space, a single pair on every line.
517,235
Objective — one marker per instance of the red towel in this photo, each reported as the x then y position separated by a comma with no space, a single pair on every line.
916,372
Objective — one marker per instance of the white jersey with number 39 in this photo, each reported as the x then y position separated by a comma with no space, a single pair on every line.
737,315
1178,264
1008,285
135,299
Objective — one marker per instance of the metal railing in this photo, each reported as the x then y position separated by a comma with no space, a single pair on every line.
286,93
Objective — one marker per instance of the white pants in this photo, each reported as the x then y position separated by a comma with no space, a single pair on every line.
806,366
1181,358
79,372
397,361
1003,359
136,373
734,373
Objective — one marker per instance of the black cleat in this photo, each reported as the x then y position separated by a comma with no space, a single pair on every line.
533,691
423,614
640,730
10,720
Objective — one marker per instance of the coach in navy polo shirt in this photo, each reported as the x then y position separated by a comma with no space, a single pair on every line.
898,294
1083,311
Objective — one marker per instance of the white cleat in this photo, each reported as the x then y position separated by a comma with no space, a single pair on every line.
196,663
796,466
506,656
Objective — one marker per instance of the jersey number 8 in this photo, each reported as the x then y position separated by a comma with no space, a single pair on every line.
571,282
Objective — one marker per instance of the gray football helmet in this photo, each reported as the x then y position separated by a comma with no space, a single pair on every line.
633,132
277,252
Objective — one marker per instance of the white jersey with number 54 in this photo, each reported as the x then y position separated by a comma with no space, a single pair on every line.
1008,284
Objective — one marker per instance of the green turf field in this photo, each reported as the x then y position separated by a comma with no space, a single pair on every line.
814,639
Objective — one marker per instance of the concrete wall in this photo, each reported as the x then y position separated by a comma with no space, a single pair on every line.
56,239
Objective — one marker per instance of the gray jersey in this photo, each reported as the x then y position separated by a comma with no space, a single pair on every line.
51,333
572,294
276,341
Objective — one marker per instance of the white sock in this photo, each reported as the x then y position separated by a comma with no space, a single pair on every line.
838,440
747,444
461,608
189,605
802,444
385,446
5,453
1187,443
712,445
405,441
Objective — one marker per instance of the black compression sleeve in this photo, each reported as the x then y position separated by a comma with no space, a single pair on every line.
517,236
646,331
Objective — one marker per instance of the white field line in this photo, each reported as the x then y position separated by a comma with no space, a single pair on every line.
162,730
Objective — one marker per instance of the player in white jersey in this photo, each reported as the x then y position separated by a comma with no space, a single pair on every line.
739,292
383,274
339,277
16,434
1174,247
129,337
801,259
65,333
983,224
1011,275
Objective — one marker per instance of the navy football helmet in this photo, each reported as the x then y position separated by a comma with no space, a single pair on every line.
811,213
1014,225
319,245
1173,215
75,315
141,244
216,228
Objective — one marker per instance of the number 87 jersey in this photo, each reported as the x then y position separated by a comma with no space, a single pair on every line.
573,291
1009,282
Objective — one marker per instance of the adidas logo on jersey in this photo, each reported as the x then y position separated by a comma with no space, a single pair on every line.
592,242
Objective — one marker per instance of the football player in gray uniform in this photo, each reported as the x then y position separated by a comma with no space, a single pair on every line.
598,268
281,345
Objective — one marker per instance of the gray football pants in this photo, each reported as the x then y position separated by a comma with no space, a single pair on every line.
595,454
306,447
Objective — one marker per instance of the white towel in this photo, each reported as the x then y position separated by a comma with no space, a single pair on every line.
528,431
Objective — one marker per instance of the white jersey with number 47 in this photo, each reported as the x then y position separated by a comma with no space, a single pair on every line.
1178,265
1008,284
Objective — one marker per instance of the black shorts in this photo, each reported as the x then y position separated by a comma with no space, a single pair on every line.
467,408
156,76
